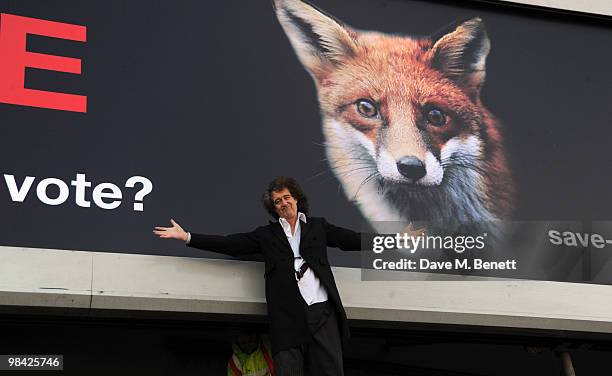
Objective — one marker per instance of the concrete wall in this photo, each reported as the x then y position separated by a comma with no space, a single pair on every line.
126,282
601,7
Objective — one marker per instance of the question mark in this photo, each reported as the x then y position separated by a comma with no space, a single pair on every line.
147,187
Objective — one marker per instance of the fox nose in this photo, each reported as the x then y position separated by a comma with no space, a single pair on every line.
411,167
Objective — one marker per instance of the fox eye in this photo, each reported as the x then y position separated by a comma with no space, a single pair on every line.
436,117
366,108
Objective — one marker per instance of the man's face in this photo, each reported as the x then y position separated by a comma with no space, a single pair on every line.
284,204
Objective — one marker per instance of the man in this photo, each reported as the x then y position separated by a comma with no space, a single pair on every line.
307,320
250,357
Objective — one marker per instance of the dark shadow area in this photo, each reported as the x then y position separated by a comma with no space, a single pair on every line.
194,346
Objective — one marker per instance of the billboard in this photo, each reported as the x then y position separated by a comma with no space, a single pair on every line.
428,115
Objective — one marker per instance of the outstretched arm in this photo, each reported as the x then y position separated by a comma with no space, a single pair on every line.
343,238
231,245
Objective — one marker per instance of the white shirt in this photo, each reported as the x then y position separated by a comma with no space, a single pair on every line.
310,286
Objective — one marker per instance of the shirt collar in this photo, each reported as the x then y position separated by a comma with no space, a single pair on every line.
301,217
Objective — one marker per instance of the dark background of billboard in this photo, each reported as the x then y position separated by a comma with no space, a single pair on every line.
208,101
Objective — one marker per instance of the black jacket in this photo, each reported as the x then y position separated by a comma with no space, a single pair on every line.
286,313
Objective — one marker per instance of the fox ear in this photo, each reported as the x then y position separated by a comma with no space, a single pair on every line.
319,40
461,53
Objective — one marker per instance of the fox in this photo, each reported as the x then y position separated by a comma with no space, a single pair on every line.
405,130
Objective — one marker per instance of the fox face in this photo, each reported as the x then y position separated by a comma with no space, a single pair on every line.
406,132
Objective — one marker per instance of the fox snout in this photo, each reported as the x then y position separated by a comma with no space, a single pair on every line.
425,171
411,167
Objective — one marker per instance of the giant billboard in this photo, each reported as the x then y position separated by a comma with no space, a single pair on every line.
441,117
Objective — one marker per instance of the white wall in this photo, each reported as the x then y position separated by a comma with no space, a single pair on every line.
603,7
120,282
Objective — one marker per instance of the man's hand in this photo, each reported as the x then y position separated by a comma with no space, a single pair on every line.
174,232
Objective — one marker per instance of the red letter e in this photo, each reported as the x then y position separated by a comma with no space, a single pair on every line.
14,59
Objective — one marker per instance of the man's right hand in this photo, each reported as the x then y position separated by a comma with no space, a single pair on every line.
174,232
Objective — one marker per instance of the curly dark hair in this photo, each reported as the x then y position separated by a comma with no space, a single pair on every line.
279,184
